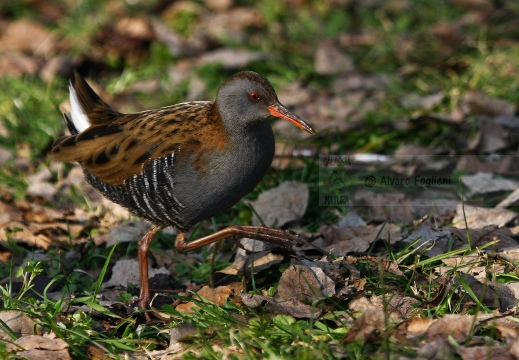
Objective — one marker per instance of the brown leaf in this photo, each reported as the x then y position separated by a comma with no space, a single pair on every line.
485,183
329,60
27,36
95,353
243,262
294,94
40,348
302,283
281,205
217,296
19,232
482,236
231,59
475,265
337,269
129,38
492,136
126,272
475,164
435,241
293,308
426,102
19,323
127,231
9,212
383,206
397,306
512,199
411,330
219,5
342,240
475,102
182,332
494,352
490,294
135,27
15,64
511,334
231,25
479,217
5,154
5,256
457,326
186,307
176,44
507,295
436,349
368,327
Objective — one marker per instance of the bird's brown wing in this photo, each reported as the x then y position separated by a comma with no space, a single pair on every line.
116,151
117,146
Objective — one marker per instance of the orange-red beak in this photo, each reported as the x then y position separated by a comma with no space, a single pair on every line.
281,112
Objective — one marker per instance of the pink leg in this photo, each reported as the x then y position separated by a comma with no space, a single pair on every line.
143,248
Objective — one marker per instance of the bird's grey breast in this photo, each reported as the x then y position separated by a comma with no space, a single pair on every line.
226,176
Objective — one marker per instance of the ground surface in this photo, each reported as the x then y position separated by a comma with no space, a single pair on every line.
407,194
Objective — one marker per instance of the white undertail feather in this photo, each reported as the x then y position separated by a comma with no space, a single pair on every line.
77,114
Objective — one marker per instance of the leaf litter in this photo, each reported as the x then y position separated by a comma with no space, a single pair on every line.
478,263
309,281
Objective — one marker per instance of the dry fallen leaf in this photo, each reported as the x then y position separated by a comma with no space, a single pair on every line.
494,351
426,102
17,231
330,60
411,330
474,164
435,241
281,205
19,323
394,207
459,327
485,183
243,262
510,200
479,237
217,296
126,272
231,59
127,231
27,36
479,217
369,327
293,308
492,137
39,185
40,348
345,239
475,102
398,306
305,283
351,219
231,25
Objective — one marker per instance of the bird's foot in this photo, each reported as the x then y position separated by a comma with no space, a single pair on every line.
263,233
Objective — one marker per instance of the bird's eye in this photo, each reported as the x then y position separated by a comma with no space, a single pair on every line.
254,96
